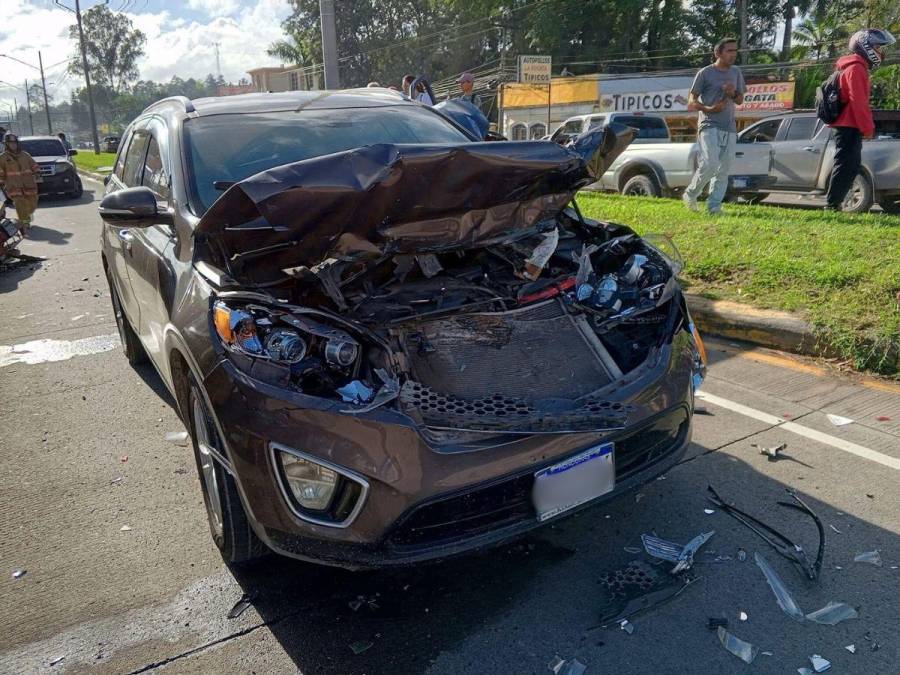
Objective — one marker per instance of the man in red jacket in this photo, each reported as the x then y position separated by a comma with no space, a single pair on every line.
855,121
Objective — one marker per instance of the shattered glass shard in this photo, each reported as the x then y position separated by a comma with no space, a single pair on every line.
782,594
833,613
871,557
743,650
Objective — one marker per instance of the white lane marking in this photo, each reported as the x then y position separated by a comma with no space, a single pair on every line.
43,351
800,430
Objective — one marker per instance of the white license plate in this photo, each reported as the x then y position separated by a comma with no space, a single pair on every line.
739,182
573,482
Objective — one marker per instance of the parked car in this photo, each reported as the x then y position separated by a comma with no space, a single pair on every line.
654,166
650,128
58,174
370,323
797,152
109,144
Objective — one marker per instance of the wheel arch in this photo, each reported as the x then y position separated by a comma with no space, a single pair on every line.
641,167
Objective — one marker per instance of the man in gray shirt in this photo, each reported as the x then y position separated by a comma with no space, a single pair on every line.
716,91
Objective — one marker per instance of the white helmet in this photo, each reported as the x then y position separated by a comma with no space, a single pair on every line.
864,42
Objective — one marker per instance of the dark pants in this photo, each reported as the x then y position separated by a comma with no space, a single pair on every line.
847,160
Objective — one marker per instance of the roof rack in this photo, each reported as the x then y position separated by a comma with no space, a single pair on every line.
185,102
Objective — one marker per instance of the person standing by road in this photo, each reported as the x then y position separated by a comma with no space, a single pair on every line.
716,91
466,83
421,94
62,137
18,178
855,120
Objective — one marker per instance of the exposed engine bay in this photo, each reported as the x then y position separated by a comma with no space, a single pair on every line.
488,304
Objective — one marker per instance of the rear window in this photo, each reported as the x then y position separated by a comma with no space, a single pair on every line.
597,122
234,147
648,127
43,148
573,127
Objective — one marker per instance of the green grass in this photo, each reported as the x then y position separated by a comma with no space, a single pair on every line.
839,271
87,160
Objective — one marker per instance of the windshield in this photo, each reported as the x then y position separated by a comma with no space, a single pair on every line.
225,149
43,148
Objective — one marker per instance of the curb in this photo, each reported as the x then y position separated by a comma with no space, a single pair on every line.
99,177
768,328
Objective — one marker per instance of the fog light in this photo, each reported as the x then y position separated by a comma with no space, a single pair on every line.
311,484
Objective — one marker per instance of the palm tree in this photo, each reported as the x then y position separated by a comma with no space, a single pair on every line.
819,37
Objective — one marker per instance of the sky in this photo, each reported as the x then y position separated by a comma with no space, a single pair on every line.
180,36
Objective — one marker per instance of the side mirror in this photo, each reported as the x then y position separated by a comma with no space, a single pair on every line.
135,206
73,151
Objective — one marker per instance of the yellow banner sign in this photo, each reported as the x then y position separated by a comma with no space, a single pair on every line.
562,91
769,96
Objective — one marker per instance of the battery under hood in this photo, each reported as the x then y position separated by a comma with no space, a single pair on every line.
385,199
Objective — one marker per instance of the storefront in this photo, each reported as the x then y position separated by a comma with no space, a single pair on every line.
526,112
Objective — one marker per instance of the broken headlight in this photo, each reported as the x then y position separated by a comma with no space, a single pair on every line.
667,249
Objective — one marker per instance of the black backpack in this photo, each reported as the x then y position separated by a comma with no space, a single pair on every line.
828,98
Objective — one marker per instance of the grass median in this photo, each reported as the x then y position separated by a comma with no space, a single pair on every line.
87,160
839,271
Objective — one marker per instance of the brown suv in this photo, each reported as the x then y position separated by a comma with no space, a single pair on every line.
390,341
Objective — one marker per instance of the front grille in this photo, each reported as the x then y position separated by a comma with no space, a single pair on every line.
47,169
508,501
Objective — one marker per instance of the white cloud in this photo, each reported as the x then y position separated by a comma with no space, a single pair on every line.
175,44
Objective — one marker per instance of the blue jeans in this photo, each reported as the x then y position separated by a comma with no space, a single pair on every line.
713,165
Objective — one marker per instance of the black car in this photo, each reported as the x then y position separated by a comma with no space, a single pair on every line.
390,341
58,173
109,144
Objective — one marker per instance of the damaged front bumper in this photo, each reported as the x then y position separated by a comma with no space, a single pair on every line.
433,492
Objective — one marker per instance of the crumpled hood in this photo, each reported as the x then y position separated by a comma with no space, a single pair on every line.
399,198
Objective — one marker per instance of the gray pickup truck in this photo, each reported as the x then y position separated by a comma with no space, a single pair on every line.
797,152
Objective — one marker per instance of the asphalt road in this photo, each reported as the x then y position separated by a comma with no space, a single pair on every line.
82,455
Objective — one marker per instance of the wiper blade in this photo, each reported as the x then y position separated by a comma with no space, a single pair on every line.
223,185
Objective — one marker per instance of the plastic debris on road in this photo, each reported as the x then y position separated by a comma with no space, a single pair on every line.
743,616
833,613
627,626
240,606
871,557
18,574
715,622
561,666
179,438
682,556
355,392
743,650
804,671
819,664
633,550
742,555
839,421
125,528
851,648
58,659
873,643
371,603
782,594
835,529
773,454
361,646
708,512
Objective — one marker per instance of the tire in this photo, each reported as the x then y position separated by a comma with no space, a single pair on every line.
861,196
131,344
228,523
890,205
642,185
79,189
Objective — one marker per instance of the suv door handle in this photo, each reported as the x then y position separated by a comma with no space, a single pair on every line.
126,238
810,148
739,154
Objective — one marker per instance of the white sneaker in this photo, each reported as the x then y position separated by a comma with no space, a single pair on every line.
690,202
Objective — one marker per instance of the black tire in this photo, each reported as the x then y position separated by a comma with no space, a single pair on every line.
131,344
228,523
889,205
642,185
79,188
861,196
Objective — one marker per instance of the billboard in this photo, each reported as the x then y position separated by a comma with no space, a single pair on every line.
772,96
535,69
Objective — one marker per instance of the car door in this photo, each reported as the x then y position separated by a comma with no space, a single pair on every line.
152,276
753,154
798,153
117,239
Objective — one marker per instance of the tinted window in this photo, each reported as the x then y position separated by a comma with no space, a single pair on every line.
597,122
801,129
234,147
120,160
43,148
648,127
155,176
765,132
134,159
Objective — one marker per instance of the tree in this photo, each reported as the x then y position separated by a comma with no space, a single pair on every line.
818,37
113,48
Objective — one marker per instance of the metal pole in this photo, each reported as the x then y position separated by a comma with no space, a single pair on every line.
28,107
16,108
87,78
44,86
743,19
329,44
549,85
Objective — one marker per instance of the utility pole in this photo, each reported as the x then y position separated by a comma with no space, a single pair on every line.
16,108
28,107
329,44
218,64
44,87
87,74
742,10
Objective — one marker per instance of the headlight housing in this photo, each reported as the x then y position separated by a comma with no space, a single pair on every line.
63,165
316,490
667,249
